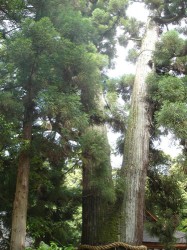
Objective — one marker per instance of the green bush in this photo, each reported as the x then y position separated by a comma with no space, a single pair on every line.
53,246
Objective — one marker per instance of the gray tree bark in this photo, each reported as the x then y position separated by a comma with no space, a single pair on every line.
136,151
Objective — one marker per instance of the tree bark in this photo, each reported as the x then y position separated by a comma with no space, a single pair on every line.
98,195
98,191
19,215
18,231
136,152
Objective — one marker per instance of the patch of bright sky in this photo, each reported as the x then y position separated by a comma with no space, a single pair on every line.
121,65
167,143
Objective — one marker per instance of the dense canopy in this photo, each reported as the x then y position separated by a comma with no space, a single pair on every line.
57,103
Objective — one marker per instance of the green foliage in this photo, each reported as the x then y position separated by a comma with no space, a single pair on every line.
7,134
13,10
75,27
155,4
132,55
132,30
116,6
101,17
159,162
168,95
165,192
10,105
42,34
29,48
178,170
8,163
125,86
66,106
54,199
50,66
167,11
170,46
56,73
117,111
105,17
171,89
164,199
152,81
173,117
164,228
95,148
52,246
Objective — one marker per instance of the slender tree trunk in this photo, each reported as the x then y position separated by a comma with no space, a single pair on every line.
134,169
18,231
19,216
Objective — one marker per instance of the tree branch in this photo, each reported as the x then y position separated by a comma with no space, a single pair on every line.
175,18
168,20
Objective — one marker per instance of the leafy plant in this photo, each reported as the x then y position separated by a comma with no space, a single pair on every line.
52,246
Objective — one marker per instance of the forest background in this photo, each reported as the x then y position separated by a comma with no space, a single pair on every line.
56,180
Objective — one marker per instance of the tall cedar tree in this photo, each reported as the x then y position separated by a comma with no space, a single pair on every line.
38,42
42,57
34,42
136,150
33,71
98,189
29,104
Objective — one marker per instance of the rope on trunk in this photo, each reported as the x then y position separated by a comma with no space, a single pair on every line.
112,245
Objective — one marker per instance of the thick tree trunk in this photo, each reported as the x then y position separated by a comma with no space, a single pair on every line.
98,189
90,206
19,215
134,169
